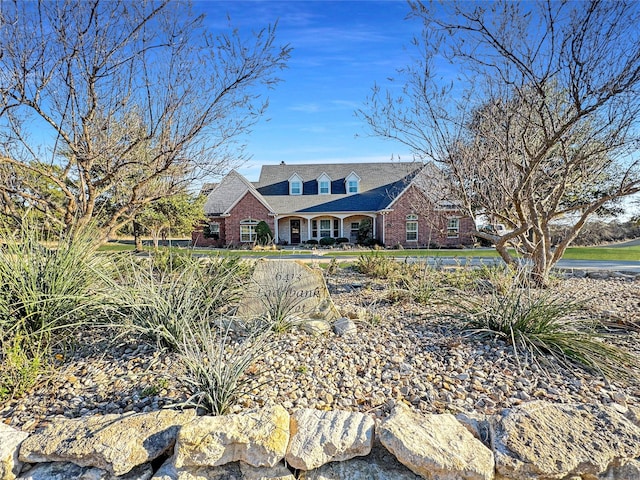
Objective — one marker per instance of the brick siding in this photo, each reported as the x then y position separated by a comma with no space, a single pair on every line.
432,224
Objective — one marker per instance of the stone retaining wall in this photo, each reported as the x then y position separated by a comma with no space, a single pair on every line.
537,440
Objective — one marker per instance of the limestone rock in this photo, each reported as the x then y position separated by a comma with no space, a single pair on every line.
540,439
257,437
67,470
344,326
116,443
378,465
289,287
477,424
314,327
318,437
279,472
628,471
168,471
435,446
10,440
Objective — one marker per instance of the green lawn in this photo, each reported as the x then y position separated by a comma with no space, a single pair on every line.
575,253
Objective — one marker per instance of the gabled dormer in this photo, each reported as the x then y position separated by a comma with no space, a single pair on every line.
324,184
295,184
352,183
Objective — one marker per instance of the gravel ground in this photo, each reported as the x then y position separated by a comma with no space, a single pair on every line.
401,351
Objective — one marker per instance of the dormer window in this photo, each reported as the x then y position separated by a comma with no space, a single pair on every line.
324,184
352,183
295,184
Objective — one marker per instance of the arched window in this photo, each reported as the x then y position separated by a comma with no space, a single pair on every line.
412,228
248,230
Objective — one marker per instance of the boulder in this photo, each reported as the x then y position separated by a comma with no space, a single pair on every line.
116,443
168,471
319,437
540,439
67,470
257,437
628,471
10,440
435,446
287,287
378,465
279,472
344,326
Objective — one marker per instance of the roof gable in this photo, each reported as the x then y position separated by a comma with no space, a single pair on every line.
229,192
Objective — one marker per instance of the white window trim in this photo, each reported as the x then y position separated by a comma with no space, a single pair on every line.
411,219
453,231
293,179
322,179
250,225
352,177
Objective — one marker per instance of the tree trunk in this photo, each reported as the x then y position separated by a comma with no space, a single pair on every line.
137,236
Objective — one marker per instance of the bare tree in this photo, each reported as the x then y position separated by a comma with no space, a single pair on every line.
538,123
115,104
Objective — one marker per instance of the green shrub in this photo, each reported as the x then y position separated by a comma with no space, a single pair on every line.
47,288
164,304
377,265
312,241
216,359
340,240
327,241
22,363
264,235
415,282
538,324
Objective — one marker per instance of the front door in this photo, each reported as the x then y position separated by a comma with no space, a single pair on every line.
295,231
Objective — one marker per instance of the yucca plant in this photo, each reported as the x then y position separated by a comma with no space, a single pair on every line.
538,324
47,287
163,303
216,359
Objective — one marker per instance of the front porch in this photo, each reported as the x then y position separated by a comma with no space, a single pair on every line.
297,229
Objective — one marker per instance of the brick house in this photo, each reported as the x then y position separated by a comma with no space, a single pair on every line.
403,201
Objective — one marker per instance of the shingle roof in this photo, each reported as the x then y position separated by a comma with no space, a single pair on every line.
379,184
225,194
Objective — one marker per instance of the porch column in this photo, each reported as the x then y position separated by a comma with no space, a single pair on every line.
275,229
374,227
342,226
308,228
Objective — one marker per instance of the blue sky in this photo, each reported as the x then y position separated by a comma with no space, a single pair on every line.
340,50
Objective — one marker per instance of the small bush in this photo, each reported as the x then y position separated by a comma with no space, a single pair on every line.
540,324
377,265
22,362
327,241
164,304
312,241
264,235
216,360
340,240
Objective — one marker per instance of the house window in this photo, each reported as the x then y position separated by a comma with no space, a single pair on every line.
412,228
314,229
248,230
336,228
453,228
214,230
325,228
352,186
296,187
325,187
